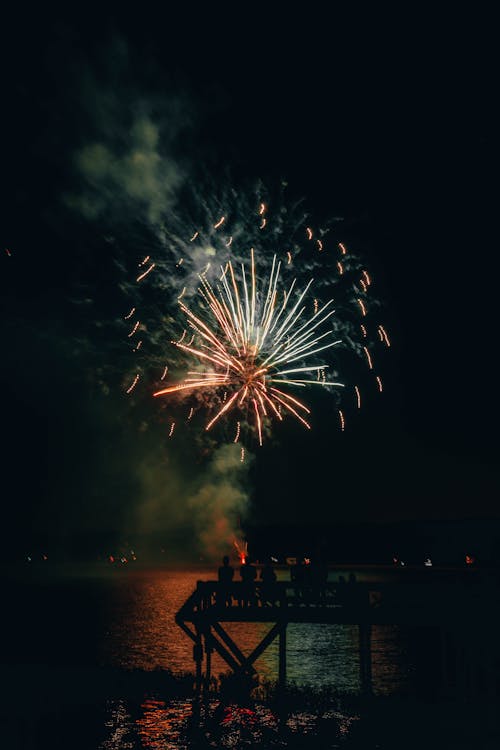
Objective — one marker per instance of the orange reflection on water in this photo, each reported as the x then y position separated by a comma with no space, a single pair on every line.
161,724
143,634
389,665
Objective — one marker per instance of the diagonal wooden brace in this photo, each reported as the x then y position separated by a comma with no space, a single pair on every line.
237,653
187,630
246,662
265,642
226,654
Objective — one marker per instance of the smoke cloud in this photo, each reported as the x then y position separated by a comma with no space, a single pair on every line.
220,501
140,179
128,164
197,512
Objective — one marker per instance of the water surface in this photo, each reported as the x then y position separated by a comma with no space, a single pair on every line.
74,639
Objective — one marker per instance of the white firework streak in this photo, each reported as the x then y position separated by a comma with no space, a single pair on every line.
250,342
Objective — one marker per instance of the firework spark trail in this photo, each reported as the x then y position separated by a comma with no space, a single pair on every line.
134,329
384,335
133,384
242,550
146,272
368,357
358,396
362,306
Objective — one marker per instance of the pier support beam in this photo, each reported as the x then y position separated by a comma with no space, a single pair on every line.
198,660
365,658
282,656
208,652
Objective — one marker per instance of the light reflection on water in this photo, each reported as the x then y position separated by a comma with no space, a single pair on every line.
141,633
160,725
119,725
141,630
124,619
74,635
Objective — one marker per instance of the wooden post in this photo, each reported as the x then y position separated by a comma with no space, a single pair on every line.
365,657
208,652
282,657
198,659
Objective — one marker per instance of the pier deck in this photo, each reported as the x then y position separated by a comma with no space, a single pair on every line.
432,602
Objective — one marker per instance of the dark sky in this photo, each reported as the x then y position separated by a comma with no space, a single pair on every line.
388,122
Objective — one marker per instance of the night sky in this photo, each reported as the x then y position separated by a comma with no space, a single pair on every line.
387,122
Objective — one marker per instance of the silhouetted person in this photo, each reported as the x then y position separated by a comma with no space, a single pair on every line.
340,596
225,576
268,589
319,578
248,575
352,595
295,572
307,580
298,576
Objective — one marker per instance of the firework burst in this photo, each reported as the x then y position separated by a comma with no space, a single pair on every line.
254,343
260,328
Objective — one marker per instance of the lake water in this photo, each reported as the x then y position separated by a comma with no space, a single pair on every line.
70,638
124,618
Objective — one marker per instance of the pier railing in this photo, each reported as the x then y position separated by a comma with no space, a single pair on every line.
372,602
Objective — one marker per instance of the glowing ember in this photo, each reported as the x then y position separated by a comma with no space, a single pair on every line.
242,549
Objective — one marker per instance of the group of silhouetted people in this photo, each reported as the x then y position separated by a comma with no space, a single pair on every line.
246,594
309,579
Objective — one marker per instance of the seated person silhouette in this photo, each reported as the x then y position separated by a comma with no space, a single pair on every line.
248,575
268,589
225,577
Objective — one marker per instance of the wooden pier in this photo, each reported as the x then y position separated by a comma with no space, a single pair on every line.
431,602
